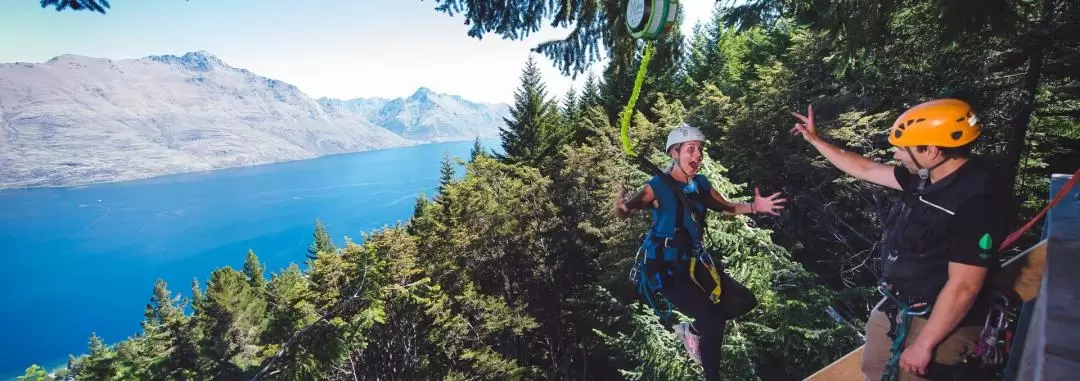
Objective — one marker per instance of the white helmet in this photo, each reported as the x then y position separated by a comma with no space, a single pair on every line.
684,133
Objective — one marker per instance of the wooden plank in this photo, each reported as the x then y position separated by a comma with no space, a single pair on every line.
847,368
1023,273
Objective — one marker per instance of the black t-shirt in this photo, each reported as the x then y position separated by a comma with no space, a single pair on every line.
975,232
977,229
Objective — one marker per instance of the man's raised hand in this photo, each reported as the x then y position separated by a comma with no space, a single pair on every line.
806,126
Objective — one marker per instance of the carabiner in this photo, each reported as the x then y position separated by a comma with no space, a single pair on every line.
917,309
920,309
1002,318
886,290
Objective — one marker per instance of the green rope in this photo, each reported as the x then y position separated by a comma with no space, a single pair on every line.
628,110
892,367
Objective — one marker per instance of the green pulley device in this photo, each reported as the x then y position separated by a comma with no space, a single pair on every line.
647,20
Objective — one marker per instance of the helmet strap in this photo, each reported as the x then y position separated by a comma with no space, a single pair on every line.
677,164
924,173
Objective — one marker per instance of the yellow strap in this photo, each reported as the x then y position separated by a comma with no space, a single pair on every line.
714,295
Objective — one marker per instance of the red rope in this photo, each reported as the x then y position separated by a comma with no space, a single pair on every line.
1011,239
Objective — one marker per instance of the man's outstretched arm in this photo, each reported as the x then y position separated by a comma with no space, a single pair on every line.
851,163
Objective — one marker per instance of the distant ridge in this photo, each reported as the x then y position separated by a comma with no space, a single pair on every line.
76,120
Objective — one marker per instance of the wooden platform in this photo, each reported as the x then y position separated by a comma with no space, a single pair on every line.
1024,273
844,369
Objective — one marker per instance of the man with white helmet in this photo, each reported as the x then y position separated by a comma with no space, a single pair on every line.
674,251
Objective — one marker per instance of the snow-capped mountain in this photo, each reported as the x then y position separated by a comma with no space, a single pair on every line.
76,120
425,115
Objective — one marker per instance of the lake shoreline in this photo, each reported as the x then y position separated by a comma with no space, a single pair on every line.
4,187
98,249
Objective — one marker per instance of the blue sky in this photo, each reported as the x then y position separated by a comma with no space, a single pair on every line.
332,48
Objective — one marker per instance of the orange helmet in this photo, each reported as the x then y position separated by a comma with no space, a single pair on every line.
940,122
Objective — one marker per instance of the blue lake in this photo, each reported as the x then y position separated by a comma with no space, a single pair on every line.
84,259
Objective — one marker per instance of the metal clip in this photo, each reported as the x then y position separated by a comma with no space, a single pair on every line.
917,309
635,269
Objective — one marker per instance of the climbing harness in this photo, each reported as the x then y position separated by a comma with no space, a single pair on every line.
996,338
898,330
706,262
651,292
652,283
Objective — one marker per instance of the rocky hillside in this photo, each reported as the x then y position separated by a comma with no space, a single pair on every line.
76,120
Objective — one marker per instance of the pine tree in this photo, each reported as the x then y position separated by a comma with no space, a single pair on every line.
592,25
322,241
77,5
291,310
534,131
254,271
71,373
571,110
590,93
156,336
230,323
477,150
100,363
446,172
161,307
196,295
34,373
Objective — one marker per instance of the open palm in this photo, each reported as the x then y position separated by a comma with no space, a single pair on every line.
769,204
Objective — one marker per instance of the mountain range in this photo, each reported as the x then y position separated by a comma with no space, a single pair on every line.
76,120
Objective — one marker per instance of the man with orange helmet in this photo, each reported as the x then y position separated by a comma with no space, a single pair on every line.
939,241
